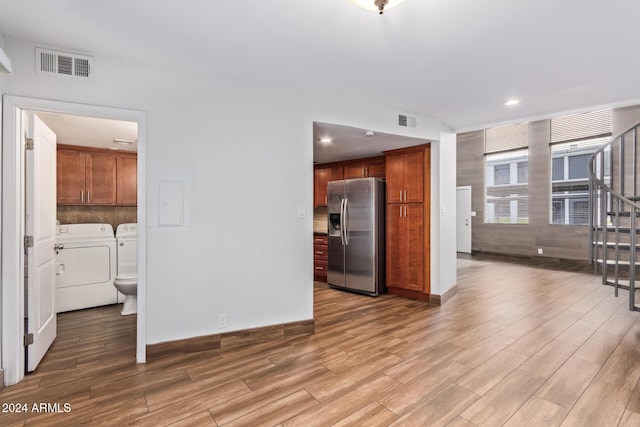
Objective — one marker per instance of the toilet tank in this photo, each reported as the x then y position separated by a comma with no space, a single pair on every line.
127,256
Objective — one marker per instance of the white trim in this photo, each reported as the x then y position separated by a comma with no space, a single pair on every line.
12,350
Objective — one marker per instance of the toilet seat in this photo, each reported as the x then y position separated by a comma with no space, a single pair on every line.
127,279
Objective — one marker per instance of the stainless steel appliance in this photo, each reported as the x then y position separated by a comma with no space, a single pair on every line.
356,235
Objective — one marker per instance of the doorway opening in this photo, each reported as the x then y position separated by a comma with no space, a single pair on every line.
14,220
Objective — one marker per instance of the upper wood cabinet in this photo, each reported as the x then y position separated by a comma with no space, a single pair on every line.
405,177
70,177
372,167
126,179
88,176
100,179
366,168
321,177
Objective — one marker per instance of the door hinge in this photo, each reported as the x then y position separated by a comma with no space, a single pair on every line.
28,142
28,339
28,241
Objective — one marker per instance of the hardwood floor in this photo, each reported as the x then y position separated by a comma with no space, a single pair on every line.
519,345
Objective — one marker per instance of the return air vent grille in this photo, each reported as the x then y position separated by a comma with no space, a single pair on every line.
406,121
63,64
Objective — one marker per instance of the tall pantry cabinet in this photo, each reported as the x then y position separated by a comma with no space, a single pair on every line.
408,234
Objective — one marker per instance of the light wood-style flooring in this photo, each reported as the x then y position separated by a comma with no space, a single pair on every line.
519,345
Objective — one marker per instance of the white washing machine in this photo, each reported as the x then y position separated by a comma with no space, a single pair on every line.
85,266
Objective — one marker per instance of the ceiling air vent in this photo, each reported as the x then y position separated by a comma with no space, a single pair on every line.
406,121
63,64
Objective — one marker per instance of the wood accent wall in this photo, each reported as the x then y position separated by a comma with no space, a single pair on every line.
557,241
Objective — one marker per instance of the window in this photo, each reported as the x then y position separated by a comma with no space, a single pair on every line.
507,197
574,139
570,180
507,174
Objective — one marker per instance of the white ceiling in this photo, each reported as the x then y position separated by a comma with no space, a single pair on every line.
352,143
91,131
456,60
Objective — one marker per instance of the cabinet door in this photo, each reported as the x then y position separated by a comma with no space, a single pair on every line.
395,246
414,177
321,177
414,255
127,180
354,170
100,179
376,169
395,178
70,177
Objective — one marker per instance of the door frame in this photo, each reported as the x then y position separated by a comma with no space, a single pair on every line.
13,227
465,187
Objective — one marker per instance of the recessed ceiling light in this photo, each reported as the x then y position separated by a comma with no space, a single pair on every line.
369,133
511,102
326,140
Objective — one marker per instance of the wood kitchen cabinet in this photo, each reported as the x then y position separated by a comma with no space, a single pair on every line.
321,177
408,221
88,176
127,179
70,177
405,177
404,253
373,167
320,257
85,178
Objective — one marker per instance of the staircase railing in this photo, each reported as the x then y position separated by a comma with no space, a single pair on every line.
614,212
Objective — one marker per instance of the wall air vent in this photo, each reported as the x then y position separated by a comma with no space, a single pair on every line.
64,64
407,121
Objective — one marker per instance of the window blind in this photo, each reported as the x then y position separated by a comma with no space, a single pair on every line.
506,138
581,126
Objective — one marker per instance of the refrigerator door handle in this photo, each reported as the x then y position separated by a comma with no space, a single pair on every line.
346,221
342,221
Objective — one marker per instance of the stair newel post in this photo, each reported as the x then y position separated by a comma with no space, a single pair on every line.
635,160
592,232
621,167
603,219
632,259
616,270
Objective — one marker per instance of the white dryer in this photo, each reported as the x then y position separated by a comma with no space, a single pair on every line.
85,266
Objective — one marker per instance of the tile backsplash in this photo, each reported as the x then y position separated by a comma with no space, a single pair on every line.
320,219
113,215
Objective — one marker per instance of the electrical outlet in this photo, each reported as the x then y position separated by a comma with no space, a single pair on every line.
222,320
539,251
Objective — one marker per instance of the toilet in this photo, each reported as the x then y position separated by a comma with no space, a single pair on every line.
126,280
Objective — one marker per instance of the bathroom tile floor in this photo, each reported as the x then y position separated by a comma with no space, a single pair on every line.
519,345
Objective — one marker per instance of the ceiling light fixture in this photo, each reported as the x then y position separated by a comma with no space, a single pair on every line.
369,133
326,140
377,5
512,102
122,141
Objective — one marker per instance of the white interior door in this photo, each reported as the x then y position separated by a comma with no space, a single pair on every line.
463,219
41,224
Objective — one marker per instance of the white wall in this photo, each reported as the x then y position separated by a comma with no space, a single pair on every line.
1,92
250,150
443,214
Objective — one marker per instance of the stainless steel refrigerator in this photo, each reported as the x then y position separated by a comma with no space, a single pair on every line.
356,241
